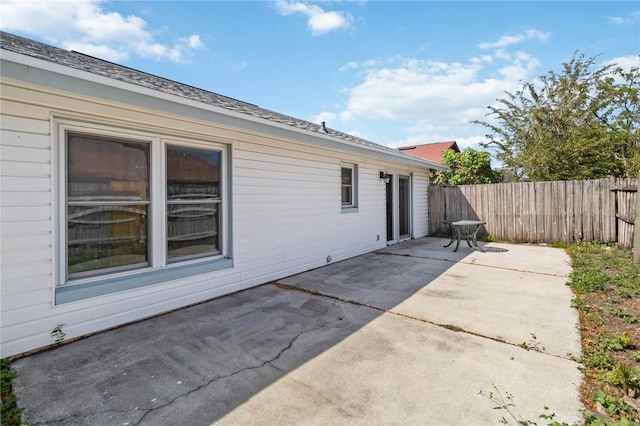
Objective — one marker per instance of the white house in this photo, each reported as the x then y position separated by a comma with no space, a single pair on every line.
125,195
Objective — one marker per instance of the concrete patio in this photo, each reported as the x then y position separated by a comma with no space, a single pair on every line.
405,335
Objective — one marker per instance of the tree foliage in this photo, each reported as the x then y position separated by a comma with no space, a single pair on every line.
467,167
577,124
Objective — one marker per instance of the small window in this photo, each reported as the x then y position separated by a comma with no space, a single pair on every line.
348,186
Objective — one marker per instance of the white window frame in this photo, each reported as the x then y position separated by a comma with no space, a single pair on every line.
353,206
159,268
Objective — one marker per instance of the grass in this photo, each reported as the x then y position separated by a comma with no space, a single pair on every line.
606,284
11,413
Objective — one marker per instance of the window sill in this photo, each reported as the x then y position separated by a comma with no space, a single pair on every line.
108,285
349,210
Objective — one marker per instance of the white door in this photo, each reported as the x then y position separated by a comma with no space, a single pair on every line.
398,208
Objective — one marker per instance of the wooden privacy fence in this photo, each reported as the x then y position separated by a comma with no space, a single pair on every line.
536,212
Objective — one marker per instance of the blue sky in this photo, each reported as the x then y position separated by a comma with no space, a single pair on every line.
396,73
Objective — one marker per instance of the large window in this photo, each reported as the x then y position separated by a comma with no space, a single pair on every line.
193,199
135,208
107,204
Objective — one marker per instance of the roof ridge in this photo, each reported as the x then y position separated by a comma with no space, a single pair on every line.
153,75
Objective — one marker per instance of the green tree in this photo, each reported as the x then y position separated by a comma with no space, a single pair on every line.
622,116
577,124
467,167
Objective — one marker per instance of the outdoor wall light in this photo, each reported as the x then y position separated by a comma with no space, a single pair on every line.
385,177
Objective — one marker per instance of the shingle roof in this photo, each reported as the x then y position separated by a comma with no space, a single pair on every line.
80,61
430,151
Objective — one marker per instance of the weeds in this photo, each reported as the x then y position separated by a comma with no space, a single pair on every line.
615,341
599,360
58,334
628,318
614,405
601,267
622,375
507,404
580,303
532,344
606,284
451,327
11,413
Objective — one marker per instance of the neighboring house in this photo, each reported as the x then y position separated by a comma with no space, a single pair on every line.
125,195
430,151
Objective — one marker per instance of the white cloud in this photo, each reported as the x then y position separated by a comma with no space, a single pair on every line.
356,134
426,101
618,20
99,51
319,21
369,63
416,89
349,66
240,66
520,68
84,26
470,142
194,41
624,20
624,62
431,101
508,40
327,117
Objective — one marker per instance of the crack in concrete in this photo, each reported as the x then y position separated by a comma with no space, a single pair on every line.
81,418
473,262
148,410
226,376
450,327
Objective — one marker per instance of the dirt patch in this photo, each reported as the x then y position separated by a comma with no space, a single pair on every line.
607,287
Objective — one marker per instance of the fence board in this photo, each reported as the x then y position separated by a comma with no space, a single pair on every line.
587,193
626,193
560,212
563,211
570,223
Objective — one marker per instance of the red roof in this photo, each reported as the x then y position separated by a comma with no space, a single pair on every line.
430,151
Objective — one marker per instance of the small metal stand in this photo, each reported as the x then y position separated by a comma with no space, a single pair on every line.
464,228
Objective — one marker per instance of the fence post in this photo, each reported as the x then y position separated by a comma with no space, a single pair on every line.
636,228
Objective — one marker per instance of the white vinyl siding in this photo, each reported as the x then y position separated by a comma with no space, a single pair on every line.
420,214
25,218
287,215
285,199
